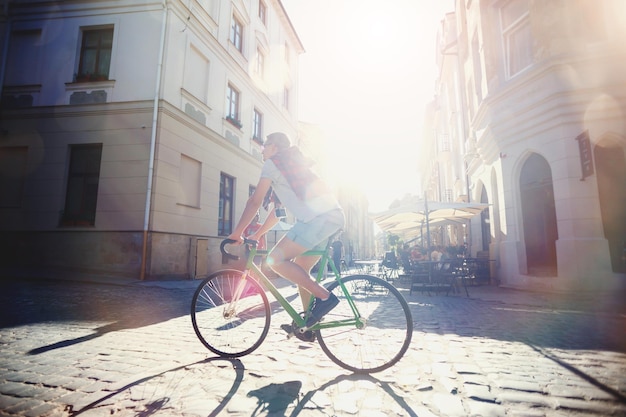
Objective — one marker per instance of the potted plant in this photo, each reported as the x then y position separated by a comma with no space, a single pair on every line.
234,121
88,77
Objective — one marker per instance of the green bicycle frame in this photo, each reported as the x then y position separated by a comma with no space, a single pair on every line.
325,260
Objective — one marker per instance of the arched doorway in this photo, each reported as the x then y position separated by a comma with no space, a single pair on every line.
538,216
611,175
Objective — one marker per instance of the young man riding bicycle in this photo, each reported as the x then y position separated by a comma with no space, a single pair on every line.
287,180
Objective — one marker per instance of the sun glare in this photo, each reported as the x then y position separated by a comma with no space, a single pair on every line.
365,78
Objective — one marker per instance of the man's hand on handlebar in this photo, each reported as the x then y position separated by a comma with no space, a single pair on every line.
238,240
255,236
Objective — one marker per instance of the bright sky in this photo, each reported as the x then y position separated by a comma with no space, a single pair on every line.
365,78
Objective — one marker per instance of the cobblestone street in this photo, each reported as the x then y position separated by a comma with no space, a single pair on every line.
97,349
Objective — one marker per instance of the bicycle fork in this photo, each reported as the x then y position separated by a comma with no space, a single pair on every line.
230,310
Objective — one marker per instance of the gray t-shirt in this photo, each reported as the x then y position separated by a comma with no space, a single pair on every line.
320,202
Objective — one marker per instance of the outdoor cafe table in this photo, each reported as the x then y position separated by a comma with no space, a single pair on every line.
367,267
477,270
440,275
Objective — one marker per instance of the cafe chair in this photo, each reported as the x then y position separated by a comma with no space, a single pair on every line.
389,267
459,275
419,276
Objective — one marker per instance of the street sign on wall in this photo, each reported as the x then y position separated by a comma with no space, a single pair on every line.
586,157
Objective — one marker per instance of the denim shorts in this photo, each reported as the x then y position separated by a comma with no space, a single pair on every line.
314,234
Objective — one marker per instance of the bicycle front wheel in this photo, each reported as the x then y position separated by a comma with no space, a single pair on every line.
385,333
228,327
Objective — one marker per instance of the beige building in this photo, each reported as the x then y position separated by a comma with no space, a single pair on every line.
529,117
131,130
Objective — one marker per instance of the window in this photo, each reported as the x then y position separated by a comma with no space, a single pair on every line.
236,34
12,175
517,37
263,12
196,79
23,60
259,68
444,142
211,6
225,216
232,106
95,55
477,68
189,181
82,185
286,98
287,57
471,103
257,129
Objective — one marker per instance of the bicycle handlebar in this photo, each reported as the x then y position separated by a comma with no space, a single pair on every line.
230,242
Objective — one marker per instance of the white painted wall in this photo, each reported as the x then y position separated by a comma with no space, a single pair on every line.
196,49
573,85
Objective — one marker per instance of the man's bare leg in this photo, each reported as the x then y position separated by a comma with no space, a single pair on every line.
279,259
306,263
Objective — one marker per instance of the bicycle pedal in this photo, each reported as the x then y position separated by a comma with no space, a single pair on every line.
288,329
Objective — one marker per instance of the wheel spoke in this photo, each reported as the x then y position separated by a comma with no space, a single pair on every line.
225,326
387,332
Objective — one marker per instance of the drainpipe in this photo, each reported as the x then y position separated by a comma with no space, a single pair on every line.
5,48
153,138
461,101
462,123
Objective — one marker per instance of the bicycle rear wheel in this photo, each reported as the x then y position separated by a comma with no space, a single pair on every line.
387,331
227,328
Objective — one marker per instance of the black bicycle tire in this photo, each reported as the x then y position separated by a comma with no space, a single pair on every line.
407,335
205,337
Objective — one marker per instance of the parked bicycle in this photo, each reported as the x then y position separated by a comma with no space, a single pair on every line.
369,331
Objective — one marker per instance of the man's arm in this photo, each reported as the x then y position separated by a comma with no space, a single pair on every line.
252,206
269,222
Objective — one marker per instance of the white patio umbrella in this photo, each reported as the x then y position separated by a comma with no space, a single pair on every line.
427,211
410,229
424,213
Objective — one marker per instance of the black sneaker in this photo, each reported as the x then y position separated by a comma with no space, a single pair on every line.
321,308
